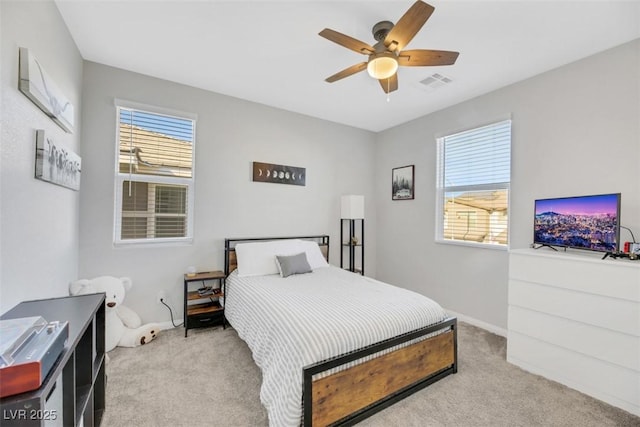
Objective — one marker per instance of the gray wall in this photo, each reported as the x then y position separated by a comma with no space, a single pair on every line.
575,131
39,221
231,133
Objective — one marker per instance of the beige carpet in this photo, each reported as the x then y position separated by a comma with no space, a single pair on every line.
210,379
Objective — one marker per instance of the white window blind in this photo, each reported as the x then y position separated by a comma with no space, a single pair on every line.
473,177
154,177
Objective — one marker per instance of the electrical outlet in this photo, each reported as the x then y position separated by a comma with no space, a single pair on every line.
160,296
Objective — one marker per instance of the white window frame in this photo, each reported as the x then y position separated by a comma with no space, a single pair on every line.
441,189
121,177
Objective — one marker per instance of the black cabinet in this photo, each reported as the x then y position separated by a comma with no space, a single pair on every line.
202,305
352,245
73,393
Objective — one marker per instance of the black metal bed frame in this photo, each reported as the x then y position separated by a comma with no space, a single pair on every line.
333,362
229,244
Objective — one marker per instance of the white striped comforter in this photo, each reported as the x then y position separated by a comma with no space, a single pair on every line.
289,323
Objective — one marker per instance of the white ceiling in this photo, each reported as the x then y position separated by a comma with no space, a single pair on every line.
270,52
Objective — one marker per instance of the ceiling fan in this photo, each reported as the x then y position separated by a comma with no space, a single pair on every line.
386,55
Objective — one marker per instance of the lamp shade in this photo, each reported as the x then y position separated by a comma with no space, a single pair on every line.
382,66
352,207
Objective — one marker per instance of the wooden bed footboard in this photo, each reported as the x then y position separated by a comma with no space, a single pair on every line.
357,392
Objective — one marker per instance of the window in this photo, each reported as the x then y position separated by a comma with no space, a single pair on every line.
473,186
154,176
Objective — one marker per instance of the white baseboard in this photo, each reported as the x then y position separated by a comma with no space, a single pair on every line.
479,323
167,325
463,318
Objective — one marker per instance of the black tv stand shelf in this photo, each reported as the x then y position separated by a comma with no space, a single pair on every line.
73,393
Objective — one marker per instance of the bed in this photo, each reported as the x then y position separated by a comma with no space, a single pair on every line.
334,347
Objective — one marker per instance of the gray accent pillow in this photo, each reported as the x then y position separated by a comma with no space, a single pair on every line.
293,264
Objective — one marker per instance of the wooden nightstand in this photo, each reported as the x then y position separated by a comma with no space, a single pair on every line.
202,305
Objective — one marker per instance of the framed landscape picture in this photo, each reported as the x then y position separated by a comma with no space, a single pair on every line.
402,183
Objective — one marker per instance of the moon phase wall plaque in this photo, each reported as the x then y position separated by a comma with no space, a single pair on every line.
278,174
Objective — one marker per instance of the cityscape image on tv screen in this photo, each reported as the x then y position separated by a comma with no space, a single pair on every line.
585,222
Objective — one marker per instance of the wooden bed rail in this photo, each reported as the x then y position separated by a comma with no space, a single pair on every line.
355,393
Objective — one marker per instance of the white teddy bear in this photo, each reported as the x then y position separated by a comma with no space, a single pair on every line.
123,326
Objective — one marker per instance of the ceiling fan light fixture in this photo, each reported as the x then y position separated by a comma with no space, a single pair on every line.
382,65
388,53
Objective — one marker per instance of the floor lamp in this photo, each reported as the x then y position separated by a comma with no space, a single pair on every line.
352,210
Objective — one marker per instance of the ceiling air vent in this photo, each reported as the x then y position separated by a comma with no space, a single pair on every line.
435,81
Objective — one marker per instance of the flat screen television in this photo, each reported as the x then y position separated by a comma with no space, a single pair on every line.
582,222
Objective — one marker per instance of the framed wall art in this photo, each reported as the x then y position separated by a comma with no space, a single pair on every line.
36,84
279,174
56,164
402,187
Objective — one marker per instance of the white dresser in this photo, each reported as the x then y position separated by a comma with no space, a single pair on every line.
575,319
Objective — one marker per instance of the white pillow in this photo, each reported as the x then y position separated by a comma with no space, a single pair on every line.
314,254
257,258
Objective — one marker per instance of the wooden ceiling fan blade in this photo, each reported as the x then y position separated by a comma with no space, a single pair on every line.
347,72
346,41
422,57
408,26
390,84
